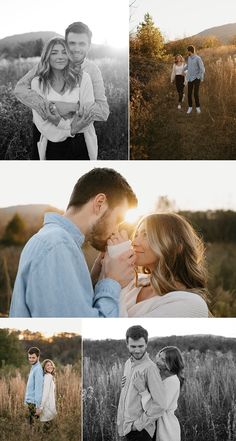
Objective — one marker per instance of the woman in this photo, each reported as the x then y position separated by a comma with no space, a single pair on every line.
48,403
178,75
170,363
172,279
59,82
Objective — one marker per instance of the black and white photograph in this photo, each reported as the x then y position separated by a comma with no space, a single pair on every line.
159,379
40,380
64,80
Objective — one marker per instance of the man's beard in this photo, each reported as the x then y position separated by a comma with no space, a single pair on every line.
96,235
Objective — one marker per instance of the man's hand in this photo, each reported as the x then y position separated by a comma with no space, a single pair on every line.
123,381
120,268
119,237
52,114
80,122
65,109
37,411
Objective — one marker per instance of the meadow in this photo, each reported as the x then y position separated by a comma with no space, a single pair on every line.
16,119
221,260
13,414
160,131
206,408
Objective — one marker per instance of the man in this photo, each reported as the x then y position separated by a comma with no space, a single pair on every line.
53,279
195,75
133,422
34,387
78,37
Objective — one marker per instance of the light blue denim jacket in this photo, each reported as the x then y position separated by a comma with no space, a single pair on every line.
34,387
53,279
195,68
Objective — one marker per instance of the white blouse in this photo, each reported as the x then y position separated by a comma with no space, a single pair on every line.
48,404
83,94
177,70
173,304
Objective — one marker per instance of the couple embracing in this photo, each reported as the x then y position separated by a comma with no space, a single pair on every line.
66,94
150,391
159,273
40,389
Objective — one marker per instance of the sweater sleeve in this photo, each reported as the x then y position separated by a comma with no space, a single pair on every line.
46,389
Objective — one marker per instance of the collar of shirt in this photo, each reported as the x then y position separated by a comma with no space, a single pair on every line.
63,222
34,366
135,362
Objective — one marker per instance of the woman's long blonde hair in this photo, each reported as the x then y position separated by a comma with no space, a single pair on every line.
45,73
180,254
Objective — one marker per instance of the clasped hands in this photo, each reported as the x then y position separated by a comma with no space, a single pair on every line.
119,268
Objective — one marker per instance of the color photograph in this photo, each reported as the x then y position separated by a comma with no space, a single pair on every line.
159,380
182,80
141,239
40,380
64,81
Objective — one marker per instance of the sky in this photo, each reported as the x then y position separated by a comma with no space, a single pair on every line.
108,19
45,326
161,327
193,185
177,19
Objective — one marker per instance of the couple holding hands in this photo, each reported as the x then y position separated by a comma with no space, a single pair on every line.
161,274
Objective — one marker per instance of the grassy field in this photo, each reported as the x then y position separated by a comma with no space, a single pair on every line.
13,422
16,119
221,260
160,131
206,409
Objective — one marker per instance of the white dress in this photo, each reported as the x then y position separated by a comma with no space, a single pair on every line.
168,428
82,93
172,304
48,403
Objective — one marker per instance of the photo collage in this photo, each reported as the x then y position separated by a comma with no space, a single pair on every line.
117,273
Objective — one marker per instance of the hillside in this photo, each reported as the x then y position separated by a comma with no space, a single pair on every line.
14,40
31,214
224,33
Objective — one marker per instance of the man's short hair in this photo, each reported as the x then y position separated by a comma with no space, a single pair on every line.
136,332
34,350
191,48
79,28
102,180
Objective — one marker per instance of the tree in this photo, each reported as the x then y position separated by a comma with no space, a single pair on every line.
15,232
149,40
11,349
5,287
165,204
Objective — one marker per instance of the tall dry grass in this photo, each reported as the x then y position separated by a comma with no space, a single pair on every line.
163,132
13,412
206,408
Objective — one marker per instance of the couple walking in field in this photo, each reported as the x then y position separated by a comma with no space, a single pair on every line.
190,73
40,389
149,391
159,273
66,94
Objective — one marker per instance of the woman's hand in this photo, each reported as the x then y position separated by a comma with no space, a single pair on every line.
52,114
119,237
139,382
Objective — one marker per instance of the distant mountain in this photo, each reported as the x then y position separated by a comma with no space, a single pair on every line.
31,214
14,40
224,33
10,45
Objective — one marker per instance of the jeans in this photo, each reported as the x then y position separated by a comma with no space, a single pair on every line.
135,435
71,148
194,86
179,82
